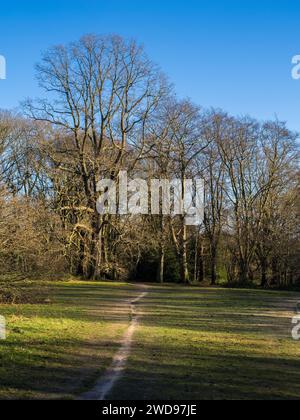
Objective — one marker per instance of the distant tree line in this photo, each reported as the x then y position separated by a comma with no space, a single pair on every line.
108,108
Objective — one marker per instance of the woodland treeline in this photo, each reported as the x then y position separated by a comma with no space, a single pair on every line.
108,108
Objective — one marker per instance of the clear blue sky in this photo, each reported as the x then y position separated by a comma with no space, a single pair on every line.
233,54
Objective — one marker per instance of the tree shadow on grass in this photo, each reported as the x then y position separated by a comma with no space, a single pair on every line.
62,373
230,376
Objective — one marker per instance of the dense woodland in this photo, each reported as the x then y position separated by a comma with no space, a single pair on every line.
108,108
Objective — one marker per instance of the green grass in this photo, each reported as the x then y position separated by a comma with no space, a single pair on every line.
58,350
214,344
192,343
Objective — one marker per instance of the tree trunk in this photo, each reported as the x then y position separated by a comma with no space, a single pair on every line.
201,269
161,265
95,250
243,272
264,280
184,270
213,265
196,271
275,273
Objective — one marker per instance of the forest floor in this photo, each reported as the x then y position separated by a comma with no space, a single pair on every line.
190,343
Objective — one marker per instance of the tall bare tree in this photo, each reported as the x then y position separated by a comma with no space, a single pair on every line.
102,93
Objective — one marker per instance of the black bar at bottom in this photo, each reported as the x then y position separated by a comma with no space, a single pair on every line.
88,410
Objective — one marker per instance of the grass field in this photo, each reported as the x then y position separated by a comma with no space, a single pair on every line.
192,343
58,350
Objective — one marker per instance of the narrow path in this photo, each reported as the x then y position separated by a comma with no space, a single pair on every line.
104,386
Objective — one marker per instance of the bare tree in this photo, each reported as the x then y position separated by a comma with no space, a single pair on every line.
214,175
102,94
180,143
